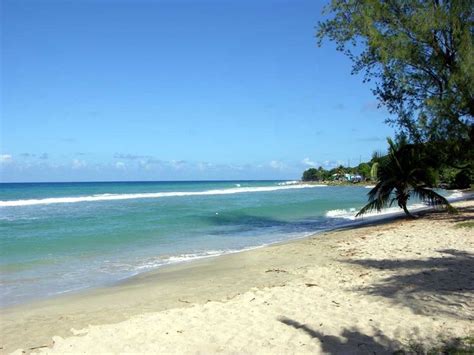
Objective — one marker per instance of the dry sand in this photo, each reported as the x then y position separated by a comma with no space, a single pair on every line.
373,288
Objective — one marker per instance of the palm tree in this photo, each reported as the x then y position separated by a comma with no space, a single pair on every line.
373,171
404,173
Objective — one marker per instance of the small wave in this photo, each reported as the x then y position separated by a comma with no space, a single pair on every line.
114,197
16,218
342,213
369,186
455,195
157,262
286,183
350,213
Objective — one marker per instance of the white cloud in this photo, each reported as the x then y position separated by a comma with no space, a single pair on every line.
275,164
308,162
5,158
204,166
78,164
149,164
177,164
239,167
329,164
120,165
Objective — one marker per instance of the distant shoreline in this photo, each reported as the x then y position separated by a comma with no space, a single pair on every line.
338,183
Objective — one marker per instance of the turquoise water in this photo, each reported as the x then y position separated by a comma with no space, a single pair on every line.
61,237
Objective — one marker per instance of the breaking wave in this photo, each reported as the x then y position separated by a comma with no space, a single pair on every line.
114,197
350,214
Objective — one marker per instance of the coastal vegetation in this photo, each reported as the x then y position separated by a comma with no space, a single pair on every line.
359,173
335,174
419,55
450,346
468,224
420,58
405,172
444,175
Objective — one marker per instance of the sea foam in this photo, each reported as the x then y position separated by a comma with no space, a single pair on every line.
350,213
149,195
154,263
285,183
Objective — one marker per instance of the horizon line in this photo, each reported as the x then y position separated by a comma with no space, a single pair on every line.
151,181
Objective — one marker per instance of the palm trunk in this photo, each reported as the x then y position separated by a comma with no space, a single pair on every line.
402,199
405,209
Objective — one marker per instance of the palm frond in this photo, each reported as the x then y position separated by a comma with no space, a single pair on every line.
371,206
378,198
392,201
432,198
405,171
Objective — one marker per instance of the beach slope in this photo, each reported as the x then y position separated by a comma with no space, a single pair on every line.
381,288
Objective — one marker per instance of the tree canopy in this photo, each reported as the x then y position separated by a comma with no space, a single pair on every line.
420,55
320,174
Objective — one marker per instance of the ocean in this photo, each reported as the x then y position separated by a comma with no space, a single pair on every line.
63,237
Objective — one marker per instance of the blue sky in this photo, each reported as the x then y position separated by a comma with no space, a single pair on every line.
176,90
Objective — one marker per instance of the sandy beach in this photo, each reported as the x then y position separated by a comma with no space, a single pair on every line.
237,177
373,288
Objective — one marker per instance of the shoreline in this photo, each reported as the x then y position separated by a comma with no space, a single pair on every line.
370,219
184,285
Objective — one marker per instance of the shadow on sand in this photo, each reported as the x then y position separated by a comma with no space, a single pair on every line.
351,341
434,286
441,285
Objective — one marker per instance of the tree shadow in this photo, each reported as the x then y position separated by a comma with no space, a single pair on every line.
443,284
351,341
464,214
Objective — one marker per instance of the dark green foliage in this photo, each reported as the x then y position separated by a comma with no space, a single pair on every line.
454,178
374,171
450,346
420,55
313,174
377,156
320,174
462,180
310,175
447,176
364,170
406,171
469,224
451,157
